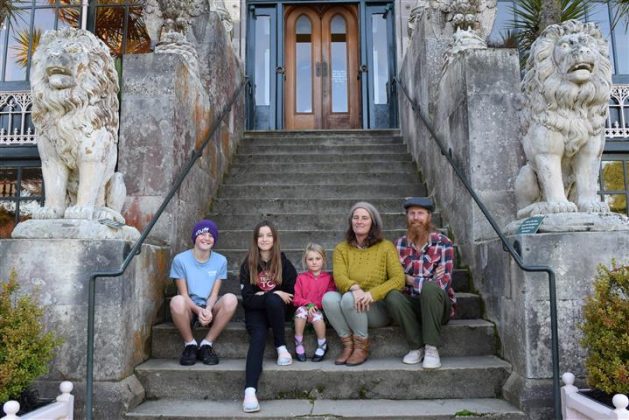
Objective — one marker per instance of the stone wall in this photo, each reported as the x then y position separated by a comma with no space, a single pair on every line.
165,112
57,271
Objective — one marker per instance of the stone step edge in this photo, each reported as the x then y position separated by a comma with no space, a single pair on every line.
436,409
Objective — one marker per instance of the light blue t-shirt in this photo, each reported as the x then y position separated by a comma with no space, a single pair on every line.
200,277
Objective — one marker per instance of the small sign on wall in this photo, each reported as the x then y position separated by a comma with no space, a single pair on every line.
530,226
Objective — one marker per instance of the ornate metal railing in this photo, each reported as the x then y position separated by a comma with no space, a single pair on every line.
618,119
16,128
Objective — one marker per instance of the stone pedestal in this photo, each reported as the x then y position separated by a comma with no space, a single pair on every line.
57,271
518,303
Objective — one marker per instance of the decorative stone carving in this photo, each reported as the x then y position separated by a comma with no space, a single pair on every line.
465,14
75,113
566,89
218,6
463,40
419,9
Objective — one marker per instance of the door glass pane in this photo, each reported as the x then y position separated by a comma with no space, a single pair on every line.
339,64
380,60
303,65
263,60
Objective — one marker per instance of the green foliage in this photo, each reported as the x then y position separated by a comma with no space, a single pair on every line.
25,348
466,413
606,330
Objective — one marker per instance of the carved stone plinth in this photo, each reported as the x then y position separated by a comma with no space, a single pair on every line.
577,222
72,229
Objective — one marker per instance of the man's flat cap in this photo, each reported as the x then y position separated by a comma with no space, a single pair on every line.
424,202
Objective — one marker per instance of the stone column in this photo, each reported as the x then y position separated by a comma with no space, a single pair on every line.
57,271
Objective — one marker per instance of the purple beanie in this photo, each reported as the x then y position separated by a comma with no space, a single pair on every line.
204,226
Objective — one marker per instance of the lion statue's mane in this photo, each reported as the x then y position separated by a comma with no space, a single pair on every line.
566,91
75,114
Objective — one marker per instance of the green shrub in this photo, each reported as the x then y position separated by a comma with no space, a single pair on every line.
606,331
25,348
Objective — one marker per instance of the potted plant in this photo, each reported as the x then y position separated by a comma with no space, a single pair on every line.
606,338
25,348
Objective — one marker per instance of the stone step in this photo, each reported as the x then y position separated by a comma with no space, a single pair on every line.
382,158
326,141
272,206
458,377
296,239
348,135
377,409
333,149
469,305
405,168
322,180
469,337
313,221
300,189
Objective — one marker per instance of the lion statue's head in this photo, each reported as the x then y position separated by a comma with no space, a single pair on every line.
568,76
73,75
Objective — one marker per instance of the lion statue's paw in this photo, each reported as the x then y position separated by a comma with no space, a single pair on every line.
546,207
79,212
593,206
107,213
48,213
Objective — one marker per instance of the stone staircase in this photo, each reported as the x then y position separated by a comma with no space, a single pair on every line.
305,182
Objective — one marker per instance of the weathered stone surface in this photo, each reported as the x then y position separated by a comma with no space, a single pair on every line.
577,222
155,144
126,306
72,228
518,303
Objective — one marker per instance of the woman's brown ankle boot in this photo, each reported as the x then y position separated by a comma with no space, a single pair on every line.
348,348
360,353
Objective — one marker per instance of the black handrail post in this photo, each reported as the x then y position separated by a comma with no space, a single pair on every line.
506,245
137,246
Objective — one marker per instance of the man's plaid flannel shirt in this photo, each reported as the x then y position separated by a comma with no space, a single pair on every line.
422,264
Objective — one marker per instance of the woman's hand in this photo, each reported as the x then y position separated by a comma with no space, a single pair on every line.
205,316
364,302
410,280
286,297
358,295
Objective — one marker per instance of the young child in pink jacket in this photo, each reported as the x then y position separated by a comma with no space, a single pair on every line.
310,287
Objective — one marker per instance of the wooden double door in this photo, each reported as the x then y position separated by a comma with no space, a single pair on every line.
322,87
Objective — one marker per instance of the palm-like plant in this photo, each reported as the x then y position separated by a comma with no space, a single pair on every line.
22,44
9,10
621,10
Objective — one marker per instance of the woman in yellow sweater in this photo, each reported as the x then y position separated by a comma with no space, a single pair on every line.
366,268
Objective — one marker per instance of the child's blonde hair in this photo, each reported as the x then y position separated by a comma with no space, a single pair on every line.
313,247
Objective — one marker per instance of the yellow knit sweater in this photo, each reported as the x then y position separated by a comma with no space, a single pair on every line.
376,269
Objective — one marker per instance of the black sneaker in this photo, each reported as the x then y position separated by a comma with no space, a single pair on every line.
206,355
189,355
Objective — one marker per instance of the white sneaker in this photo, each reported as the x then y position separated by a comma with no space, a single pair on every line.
250,403
283,356
413,357
431,358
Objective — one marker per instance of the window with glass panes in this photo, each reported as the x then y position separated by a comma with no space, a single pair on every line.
614,182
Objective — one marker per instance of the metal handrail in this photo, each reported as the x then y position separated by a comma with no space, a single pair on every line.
135,250
507,246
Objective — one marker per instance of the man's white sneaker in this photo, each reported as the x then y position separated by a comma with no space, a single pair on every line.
413,357
250,403
431,358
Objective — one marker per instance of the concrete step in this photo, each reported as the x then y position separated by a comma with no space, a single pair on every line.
272,206
348,135
296,239
469,305
349,179
333,149
469,337
405,168
300,189
436,409
313,221
379,157
458,377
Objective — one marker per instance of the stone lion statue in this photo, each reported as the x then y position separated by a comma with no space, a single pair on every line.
75,113
566,91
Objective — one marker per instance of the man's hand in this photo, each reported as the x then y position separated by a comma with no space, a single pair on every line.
205,316
286,297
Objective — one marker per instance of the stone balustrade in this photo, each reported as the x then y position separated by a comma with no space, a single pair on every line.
575,406
61,409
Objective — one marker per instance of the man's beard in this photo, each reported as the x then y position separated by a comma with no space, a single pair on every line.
418,232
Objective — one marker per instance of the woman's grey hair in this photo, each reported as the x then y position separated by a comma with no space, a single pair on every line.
375,233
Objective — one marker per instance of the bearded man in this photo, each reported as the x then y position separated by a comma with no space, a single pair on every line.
428,300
